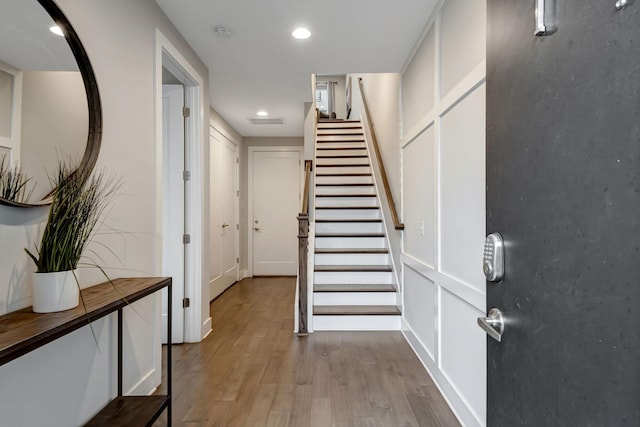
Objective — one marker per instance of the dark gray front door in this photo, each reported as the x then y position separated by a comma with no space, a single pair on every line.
563,188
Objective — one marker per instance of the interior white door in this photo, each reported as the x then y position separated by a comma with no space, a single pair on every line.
223,213
173,206
276,204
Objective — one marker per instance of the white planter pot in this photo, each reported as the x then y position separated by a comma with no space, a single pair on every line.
53,292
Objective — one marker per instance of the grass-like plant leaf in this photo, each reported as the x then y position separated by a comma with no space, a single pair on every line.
78,202
14,183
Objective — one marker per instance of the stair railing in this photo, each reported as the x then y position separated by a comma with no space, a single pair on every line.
303,252
385,180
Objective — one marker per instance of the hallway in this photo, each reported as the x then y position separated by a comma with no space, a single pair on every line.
253,371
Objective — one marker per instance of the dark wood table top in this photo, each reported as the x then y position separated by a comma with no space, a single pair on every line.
23,331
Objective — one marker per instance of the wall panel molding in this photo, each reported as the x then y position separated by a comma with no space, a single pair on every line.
456,358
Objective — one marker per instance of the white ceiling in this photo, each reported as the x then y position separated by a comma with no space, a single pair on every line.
262,67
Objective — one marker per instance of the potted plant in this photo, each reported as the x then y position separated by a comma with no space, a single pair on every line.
78,201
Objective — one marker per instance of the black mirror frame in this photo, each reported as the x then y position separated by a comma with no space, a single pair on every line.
94,137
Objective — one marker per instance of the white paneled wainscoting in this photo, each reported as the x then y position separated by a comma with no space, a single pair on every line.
443,204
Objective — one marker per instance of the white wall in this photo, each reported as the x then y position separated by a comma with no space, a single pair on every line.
382,91
119,38
443,158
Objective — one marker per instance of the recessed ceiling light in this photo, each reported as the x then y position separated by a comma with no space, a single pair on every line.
56,30
262,113
301,33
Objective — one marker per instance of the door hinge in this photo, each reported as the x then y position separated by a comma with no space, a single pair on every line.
186,175
237,260
186,302
238,193
237,226
186,239
186,112
238,160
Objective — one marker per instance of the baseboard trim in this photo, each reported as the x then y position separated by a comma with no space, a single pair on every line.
145,386
206,328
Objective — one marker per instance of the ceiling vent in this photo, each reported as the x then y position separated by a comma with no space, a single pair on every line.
266,120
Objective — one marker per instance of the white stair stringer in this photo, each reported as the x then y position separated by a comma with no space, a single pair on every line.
354,285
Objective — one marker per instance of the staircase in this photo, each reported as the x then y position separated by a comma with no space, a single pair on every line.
354,283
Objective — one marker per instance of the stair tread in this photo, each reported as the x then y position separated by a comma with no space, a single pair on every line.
343,165
357,156
351,251
349,234
345,124
340,141
340,148
353,268
350,220
353,287
355,310
343,174
346,195
342,184
336,132
347,207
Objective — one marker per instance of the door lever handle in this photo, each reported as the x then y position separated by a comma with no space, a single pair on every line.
225,225
256,228
493,324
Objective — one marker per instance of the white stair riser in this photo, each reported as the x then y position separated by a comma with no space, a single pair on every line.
346,201
351,242
340,137
351,259
345,190
343,161
323,125
350,145
342,179
340,131
347,213
342,153
356,323
343,170
339,277
354,298
348,227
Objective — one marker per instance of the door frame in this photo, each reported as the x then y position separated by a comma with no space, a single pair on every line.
213,127
168,56
250,218
173,213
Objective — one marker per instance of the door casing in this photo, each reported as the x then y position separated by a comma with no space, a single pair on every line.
197,321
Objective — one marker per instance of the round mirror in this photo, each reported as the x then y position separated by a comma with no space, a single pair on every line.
49,100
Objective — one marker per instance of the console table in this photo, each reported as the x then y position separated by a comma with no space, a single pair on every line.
24,331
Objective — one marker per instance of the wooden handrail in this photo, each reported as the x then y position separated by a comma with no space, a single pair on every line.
303,251
385,180
308,166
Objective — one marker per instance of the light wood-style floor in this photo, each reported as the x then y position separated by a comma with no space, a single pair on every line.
253,371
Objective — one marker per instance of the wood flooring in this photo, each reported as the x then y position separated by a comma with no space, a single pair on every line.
253,371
